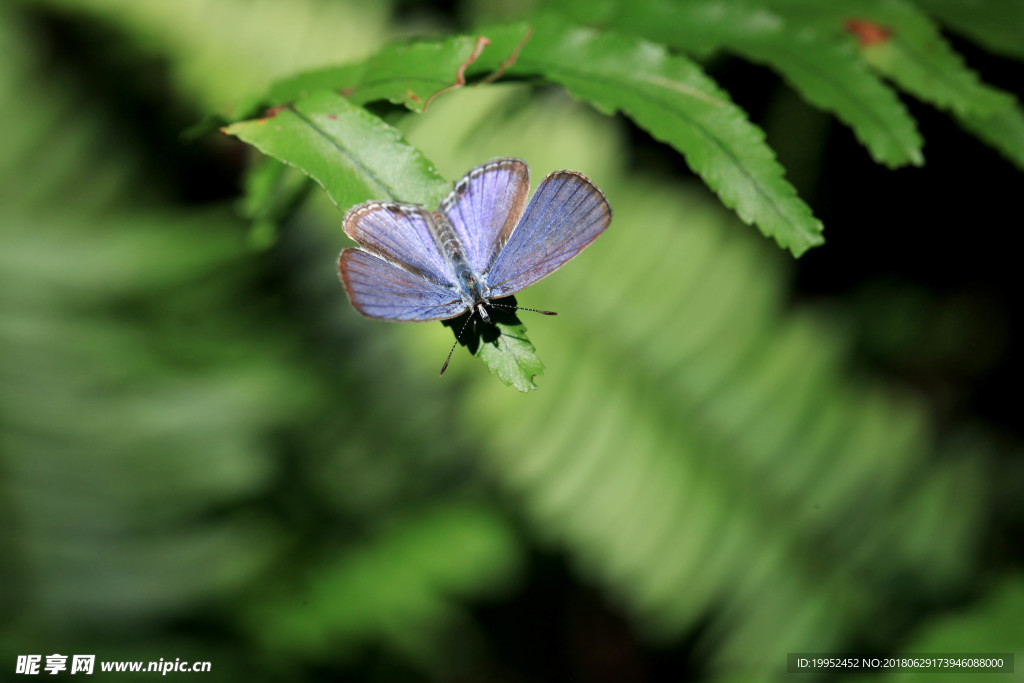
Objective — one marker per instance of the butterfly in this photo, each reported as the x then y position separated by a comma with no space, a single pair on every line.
484,242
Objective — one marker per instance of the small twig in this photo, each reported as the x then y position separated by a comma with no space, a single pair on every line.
460,74
511,58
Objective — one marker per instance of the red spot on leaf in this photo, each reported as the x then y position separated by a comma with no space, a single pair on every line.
867,32
332,117
272,112
347,92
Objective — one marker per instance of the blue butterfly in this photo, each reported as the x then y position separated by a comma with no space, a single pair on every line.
483,242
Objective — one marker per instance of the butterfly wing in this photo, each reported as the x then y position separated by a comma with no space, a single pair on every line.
379,289
400,234
399,274
566,214
485,206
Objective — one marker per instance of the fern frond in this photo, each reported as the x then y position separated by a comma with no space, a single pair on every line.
401,588
999,26
698,451
993,625
828,74
708,451
668,95
1003,132
676,102
906,46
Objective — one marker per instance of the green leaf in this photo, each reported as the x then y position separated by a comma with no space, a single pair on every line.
905,45
828,75
352,154
998,26
1003,131
672,98
668,95
503,346
407,74
991,625
272,191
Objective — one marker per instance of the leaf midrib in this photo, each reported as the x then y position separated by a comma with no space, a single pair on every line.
346,153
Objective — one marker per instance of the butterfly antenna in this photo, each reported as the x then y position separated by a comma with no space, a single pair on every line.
520,308
457,340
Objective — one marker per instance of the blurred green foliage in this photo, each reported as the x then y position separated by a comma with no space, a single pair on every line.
207,454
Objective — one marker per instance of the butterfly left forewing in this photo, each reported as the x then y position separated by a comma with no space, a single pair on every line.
566,213
485,205
401,234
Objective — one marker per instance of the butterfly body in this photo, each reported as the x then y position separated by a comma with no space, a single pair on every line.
483,242
469,283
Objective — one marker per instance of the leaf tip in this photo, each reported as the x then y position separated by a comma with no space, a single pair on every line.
800,248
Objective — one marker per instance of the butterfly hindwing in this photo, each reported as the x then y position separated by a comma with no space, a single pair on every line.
566,214
485,206
379,289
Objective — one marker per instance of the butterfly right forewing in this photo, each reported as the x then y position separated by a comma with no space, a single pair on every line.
566,213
